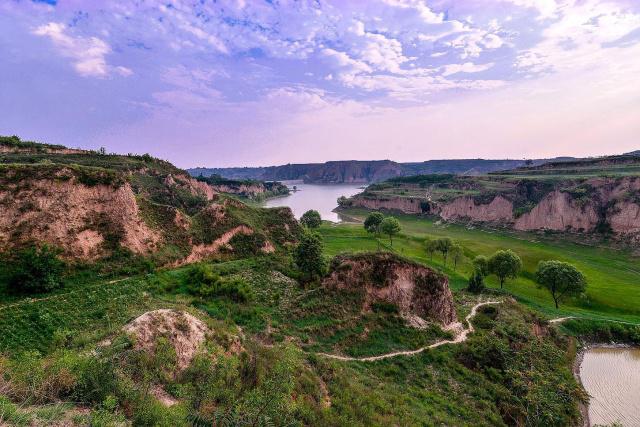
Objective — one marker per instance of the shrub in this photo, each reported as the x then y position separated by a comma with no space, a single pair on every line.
35,270
246,245
204,282
476,282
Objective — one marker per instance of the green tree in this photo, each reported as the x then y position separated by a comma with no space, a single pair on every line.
343,201
456,254
308,256
390,226
311,219
481,265
432,247
505,265
561,279
34,270
443,245
372,224
476,282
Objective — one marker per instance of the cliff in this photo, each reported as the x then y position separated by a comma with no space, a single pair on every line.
383,277
93,206
588,197
251,189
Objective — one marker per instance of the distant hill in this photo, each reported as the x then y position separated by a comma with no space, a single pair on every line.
362,172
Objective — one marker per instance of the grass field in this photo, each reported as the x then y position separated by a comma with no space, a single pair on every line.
613,275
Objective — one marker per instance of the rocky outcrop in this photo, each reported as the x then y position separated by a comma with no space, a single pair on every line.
465,208
383,277
184,332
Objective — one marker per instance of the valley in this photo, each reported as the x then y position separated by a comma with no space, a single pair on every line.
182,301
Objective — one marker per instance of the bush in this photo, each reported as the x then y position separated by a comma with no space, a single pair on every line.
476,282
35,270
246,245
311,219
204,282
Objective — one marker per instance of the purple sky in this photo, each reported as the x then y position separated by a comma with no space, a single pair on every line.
233,83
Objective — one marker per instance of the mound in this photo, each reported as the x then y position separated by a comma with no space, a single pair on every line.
418,292
185,332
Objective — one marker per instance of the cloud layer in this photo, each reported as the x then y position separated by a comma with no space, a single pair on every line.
236,82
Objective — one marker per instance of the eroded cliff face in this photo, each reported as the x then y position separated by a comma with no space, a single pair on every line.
465,208
414,289
73,216
582,206
558,212
402,204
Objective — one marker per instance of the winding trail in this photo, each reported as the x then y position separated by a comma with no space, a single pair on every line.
460,337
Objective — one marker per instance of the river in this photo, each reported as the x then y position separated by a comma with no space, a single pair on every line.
322,198
611,376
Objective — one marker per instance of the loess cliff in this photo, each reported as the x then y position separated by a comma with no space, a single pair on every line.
93,205
420,293
589,197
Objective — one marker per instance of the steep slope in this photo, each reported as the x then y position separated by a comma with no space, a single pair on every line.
93,205
420,293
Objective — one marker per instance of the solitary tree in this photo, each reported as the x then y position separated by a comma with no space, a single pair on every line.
34,270
443,246
390,226
505,264
311,219
432,246
561,279
308,256
372,224
456,255
481,265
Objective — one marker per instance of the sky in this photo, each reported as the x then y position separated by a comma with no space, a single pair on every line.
265,82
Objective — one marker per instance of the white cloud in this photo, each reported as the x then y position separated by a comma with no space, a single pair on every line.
467,67
88,53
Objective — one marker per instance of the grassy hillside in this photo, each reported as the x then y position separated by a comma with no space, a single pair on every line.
268,371
613,275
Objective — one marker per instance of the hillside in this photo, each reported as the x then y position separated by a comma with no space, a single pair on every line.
361,172
599,195
94,206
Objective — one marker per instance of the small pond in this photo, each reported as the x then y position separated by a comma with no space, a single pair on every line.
611,376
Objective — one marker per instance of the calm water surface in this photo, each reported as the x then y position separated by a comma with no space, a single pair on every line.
611,376
322,198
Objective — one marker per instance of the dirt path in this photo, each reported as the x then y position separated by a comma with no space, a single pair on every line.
460,337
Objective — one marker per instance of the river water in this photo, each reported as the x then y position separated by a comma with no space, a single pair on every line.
611,376
322,198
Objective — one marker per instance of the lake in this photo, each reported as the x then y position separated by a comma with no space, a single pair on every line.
322,198
611,376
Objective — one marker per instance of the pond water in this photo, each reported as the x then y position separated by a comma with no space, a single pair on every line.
322,198
611,376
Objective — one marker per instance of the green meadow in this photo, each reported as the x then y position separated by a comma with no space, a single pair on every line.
613,275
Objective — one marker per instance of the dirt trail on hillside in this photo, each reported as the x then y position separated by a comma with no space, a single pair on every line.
460,337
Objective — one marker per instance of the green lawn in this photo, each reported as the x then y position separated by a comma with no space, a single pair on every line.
613,275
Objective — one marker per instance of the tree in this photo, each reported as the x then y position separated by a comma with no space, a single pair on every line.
311,219
481,265
476,282
390,226
505,264
308,256
35,270
432,246
456,255
343,201
373,223
561,279
443,245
